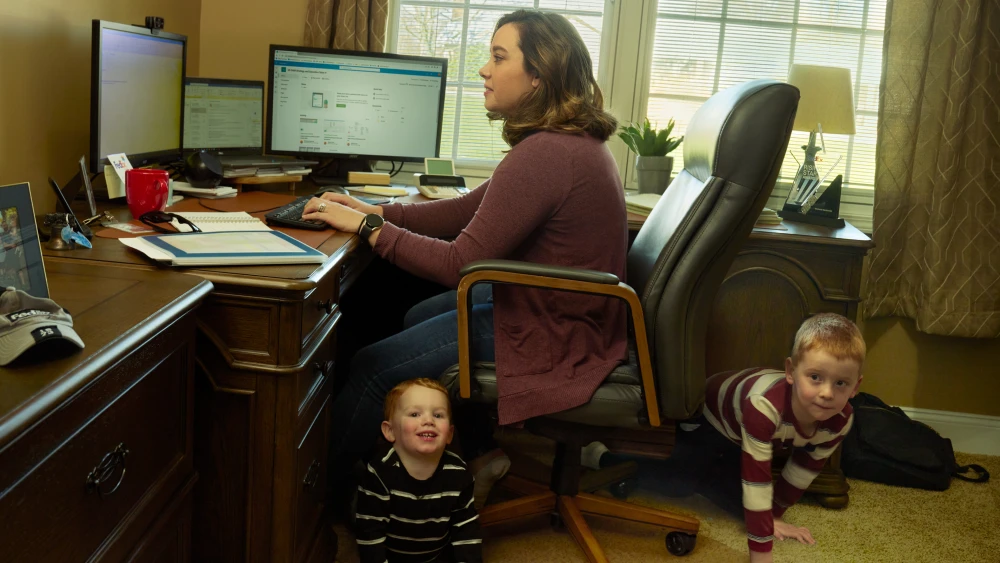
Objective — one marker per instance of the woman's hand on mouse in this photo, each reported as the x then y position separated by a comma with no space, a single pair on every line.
350,202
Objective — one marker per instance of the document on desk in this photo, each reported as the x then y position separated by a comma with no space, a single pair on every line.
226,249
213,222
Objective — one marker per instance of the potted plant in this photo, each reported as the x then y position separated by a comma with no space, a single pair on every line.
651,147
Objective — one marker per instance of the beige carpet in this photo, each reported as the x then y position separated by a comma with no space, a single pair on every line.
882,524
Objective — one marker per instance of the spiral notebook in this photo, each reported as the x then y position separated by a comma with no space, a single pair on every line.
214,222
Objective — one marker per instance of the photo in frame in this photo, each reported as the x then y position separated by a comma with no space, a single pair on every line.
21,264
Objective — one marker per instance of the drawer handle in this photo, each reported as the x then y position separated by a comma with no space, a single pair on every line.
312,474
104,470
326,305
323,369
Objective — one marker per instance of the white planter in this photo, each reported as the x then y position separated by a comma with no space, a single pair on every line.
653,173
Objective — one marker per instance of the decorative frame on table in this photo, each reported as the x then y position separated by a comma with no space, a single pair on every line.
21,264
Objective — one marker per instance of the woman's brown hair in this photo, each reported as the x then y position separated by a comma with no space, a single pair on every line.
567,98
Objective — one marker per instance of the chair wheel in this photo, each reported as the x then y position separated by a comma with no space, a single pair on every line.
624,488
680,543
556,521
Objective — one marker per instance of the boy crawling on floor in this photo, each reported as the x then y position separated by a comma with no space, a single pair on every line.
752,414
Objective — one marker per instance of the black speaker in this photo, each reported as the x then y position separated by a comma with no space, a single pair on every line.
203,169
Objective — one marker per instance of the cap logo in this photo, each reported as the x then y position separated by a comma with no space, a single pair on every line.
25,313
46,332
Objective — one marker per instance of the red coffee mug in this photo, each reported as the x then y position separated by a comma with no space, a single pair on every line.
146,190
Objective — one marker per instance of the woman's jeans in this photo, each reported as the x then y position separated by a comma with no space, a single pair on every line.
427,346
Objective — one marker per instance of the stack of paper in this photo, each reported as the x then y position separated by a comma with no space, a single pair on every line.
217,192
768,217
239,172
641,204
296,171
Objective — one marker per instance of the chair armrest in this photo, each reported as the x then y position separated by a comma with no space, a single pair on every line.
533,269
561,278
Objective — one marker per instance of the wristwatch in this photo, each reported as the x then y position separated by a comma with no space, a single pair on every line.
371,223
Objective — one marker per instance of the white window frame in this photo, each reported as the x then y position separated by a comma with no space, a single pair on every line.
624,78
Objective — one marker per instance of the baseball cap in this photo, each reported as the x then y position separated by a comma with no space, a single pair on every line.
26,321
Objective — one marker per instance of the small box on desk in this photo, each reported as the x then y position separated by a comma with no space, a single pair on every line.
368,178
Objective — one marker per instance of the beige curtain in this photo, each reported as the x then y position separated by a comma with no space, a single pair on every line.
937,175
357,25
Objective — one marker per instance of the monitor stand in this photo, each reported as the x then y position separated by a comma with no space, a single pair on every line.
335,172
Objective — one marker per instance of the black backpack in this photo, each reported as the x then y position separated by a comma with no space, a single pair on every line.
886,446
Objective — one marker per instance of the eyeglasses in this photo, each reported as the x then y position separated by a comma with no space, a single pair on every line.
152,218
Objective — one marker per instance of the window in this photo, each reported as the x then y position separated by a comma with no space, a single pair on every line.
703,46
461,31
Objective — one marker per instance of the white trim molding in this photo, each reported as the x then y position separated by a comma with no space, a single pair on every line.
969,433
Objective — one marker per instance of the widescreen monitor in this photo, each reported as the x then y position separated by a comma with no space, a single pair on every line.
349,104
136,94
224,116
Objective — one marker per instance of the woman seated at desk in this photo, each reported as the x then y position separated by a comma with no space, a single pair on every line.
556,198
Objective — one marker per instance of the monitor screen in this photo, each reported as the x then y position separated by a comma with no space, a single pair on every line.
225,116
137,82
352,104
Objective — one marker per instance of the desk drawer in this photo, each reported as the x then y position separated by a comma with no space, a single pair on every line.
312,379
311,469
319,304
137,442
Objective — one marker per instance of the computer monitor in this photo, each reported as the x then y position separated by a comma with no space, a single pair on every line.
326,103
225,117
136,94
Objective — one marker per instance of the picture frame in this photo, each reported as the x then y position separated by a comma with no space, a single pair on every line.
21,264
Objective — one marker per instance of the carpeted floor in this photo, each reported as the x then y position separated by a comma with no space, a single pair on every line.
882,524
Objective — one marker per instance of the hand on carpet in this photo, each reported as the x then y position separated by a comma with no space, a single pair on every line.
785,531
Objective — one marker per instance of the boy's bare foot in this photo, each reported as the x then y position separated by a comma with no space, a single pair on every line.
487,469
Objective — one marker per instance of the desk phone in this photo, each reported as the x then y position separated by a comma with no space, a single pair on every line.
436,186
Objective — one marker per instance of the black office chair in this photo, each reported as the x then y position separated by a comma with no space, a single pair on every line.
733,149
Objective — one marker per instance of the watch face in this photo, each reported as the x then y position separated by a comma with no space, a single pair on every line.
374,220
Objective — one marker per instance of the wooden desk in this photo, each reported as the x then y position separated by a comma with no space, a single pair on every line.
264,375
63,413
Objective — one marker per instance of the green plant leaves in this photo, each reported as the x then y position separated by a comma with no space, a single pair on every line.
648,141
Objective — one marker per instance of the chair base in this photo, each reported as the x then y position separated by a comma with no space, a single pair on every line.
572,508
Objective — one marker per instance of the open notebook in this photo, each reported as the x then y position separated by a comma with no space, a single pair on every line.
214,222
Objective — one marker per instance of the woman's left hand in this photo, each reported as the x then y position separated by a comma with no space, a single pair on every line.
338,216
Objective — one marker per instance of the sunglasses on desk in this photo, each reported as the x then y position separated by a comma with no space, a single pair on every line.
156,218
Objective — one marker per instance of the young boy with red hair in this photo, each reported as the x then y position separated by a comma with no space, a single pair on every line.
415,501
803,410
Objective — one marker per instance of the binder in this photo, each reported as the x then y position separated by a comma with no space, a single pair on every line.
226,249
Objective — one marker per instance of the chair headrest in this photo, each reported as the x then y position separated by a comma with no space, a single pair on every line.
726,137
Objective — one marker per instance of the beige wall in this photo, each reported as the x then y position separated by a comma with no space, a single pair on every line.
236,34
45,81
909,368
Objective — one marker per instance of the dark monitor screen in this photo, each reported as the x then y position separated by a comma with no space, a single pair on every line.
224,116
349,104
137,93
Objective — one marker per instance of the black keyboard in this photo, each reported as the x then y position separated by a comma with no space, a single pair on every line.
290,215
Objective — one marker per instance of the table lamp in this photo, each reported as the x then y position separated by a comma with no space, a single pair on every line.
826,105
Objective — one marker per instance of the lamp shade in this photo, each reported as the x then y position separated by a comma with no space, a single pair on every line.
827,98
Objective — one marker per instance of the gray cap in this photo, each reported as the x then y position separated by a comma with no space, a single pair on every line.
26,321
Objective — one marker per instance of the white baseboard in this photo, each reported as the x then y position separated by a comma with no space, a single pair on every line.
969,433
